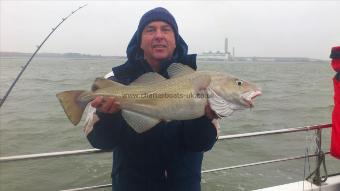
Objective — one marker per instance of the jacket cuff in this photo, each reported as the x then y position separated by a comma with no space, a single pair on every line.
107,132
199,134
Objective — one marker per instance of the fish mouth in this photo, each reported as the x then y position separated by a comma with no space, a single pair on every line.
248,97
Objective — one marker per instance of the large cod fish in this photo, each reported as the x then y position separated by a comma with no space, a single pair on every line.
151,98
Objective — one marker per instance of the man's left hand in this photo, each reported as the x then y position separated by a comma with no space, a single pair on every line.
210,113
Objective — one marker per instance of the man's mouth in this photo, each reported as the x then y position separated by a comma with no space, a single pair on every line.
159,46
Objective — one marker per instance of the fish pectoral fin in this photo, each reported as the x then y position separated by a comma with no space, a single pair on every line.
221,107
177,70
100,83
148,78
139,122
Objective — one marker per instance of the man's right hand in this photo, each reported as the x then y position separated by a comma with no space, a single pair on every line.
106,104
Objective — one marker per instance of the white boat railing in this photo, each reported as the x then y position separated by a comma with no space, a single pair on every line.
318,153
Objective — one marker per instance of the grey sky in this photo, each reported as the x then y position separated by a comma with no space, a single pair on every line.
254,28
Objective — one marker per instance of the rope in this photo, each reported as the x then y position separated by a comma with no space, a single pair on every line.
306,162
321,161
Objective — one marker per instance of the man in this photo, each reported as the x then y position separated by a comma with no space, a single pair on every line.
169,156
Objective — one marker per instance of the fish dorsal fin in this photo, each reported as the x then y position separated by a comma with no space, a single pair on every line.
177,69
148,78
100,83
139,122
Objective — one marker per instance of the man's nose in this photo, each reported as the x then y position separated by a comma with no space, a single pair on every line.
159,34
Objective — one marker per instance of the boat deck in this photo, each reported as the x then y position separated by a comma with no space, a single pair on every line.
332,184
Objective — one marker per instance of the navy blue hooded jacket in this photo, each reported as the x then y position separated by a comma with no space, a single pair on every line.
167,157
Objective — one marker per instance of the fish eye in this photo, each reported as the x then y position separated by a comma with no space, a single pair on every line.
239,82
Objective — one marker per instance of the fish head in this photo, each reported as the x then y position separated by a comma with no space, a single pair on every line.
228,93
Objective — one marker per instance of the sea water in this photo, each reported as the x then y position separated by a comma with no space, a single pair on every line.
32,121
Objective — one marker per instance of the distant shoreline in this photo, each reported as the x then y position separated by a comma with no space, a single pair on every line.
58,55
200,57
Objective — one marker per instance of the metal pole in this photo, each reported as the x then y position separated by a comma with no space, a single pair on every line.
261,163
49,155
211,170
36,51
289,130
275,132
225,137
89,187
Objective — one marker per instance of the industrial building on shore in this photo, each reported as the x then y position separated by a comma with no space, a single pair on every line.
228,56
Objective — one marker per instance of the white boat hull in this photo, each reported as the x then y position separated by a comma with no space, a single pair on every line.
332,184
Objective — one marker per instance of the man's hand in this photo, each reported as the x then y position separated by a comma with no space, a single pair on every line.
210,113
102,104
106,104
213,116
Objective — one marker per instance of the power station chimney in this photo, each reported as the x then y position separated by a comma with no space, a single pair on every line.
226,46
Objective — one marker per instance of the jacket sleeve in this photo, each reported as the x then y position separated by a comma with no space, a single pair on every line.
107,132
198,135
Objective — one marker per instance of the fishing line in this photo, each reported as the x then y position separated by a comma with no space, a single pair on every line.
23,68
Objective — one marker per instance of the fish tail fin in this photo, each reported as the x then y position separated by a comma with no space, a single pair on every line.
74,103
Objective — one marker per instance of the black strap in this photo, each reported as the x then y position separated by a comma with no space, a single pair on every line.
335,54
337,76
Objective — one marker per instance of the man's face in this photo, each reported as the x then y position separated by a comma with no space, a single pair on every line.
158,41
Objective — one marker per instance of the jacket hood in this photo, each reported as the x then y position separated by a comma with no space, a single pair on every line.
136,65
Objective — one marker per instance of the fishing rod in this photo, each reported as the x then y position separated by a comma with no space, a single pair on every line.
23,68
